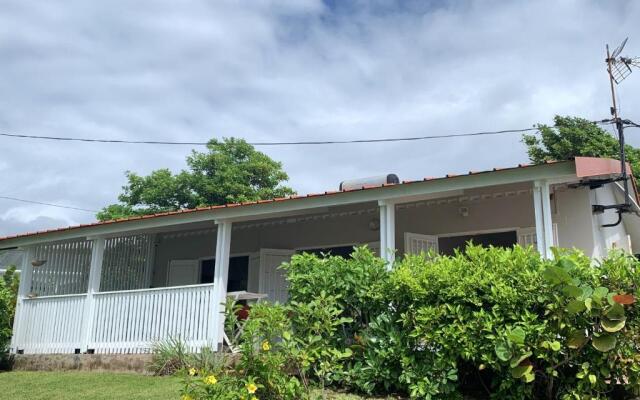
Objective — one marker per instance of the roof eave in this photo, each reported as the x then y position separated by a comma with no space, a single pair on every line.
554,171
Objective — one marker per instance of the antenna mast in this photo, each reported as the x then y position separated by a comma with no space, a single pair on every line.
618,69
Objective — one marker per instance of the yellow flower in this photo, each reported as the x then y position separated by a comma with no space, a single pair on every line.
210,380
186,397
266,346
251,388
192,371
254,398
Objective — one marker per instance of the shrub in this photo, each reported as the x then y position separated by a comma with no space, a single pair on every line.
7,310
357,283
499,322
11,281
519,326
267,368
172,355
490,322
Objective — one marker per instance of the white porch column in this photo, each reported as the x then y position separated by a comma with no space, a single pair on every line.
26,277
544,223
95,272
220,279
387,232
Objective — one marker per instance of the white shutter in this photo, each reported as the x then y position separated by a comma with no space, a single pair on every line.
415,243
273,280
253,284
527,236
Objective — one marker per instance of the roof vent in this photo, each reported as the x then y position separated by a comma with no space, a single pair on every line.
368,182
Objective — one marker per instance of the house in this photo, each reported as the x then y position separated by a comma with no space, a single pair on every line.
116,286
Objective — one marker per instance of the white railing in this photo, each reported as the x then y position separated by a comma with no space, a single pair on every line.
65,268
130,321
51,324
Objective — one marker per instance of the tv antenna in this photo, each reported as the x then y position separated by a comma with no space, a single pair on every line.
619,68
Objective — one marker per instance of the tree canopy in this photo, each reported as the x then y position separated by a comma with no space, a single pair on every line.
229,171
573,137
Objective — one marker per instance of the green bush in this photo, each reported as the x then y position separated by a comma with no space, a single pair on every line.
172,355
486,322
7,312
269,366
500,323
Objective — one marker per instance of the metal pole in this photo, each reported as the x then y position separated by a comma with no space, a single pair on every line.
620,129
614,110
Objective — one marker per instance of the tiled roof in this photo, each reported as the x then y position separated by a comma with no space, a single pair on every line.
249,203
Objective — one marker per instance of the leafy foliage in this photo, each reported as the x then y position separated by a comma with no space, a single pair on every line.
229,171
11,283
172,355
572,137
8,293
502,322
489,322
268,357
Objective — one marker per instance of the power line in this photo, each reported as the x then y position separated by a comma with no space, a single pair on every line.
47,204
320,142
312,142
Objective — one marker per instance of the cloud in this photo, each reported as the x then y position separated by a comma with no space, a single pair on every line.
295,70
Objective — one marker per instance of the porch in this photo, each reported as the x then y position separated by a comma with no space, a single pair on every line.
119,294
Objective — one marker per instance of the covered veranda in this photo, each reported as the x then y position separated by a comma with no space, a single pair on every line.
118,287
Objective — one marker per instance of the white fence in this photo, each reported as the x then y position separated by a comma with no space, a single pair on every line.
124,322
51,324
129,321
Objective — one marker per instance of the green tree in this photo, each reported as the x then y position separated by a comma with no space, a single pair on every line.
229,171
573,137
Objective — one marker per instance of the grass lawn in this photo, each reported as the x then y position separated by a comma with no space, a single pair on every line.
96,386
86,385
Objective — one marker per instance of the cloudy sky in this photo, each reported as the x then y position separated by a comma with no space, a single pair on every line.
287,70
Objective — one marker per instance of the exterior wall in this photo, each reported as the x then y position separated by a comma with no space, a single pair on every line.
506,212
489,209
578,227
572,214
330,231
607,238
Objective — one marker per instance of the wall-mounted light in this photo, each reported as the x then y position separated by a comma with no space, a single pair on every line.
374,224
463,211
38,263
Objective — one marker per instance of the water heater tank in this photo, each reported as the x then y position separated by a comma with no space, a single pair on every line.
371,181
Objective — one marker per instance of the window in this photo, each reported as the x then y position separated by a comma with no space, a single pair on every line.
448,244
238,273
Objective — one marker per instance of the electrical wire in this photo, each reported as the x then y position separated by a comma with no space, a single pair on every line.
319,142
293,143
46,204
312,142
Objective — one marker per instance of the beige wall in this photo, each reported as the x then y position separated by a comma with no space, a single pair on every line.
336,230
501,208
489,214
572,214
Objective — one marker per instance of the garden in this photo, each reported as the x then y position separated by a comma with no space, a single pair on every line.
486,323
